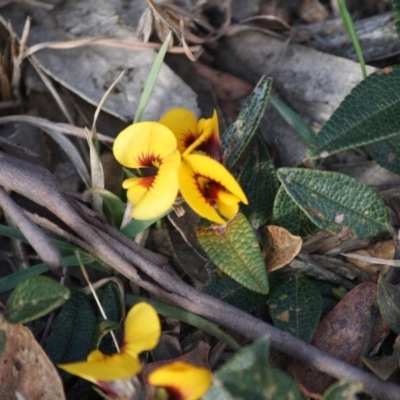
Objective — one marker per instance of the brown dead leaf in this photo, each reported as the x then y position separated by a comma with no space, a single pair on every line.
384,250
280,247
24,367
343,333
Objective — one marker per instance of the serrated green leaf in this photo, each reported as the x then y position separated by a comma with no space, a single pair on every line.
343,390
259,182
10,281
248,376
3,342
294,120
386,153
225,288
389,303
295,306
72,331
234,249
238,135
335,202
289,215
367,115
34,297
396,9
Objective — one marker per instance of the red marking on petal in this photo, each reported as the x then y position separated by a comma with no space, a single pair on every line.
188,138
147,181
174,393
149,160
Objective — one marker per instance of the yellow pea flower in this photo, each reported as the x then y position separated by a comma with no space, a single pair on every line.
202,135
181,381
152,148
142,333
204,182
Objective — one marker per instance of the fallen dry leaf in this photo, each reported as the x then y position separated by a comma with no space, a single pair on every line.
25,367
343,333
280,247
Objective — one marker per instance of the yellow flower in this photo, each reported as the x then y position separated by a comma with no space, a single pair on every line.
204,182
202,135
151,147
184,381
142,333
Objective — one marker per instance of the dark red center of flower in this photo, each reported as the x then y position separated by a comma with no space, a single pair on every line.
211,190
149,160
174,393
147,181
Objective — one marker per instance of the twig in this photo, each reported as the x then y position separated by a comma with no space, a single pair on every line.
39,185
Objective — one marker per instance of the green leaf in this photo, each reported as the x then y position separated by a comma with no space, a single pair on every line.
259,182
10,281
367,115
335,202
234,249
386,153
294,120
248,376
72,331
396,9
114,205
295,306
3,341
151,80
348,24
34,297
225,288
238,135
343,390
389,303
135,226
289,215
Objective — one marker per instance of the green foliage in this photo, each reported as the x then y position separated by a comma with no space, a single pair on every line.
389,303
335,202
72,331
236,138
34,297
343,390
136,226
295,305
234,249
259,182
367,115
290,216
348,23
294,120
114,206
225,288
386,153
248,376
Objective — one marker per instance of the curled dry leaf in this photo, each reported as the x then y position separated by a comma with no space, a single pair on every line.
346,332
280,247
25,368
384,250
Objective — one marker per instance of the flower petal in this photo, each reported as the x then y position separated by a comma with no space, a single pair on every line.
101,367
227,210
144,144
193,194
153,196
196,168
187,381
208,138
142,329
183,124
